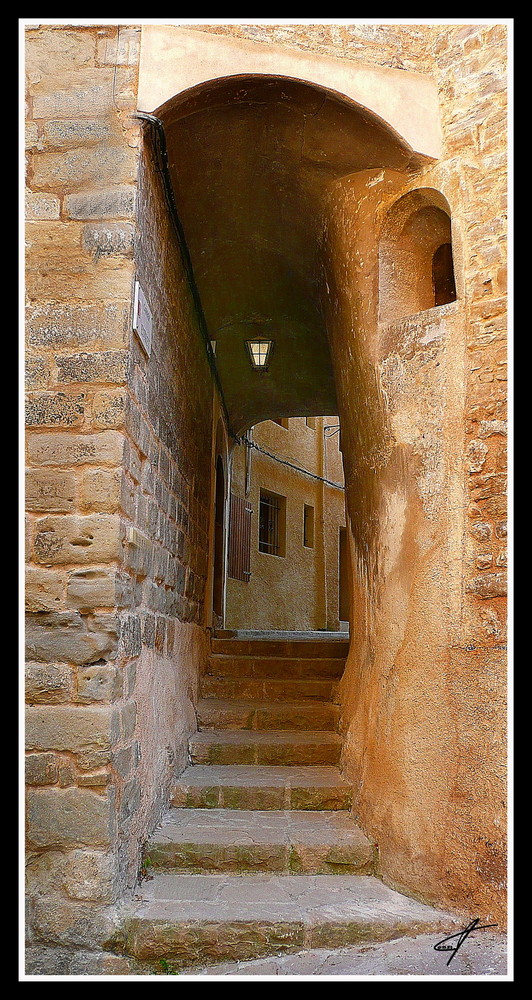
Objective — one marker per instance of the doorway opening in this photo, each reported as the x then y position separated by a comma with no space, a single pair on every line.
218,573
343,580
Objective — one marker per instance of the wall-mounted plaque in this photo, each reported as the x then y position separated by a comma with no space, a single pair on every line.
142,319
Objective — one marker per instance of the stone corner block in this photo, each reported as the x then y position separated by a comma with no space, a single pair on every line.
72,538
65,817
71,637
71,728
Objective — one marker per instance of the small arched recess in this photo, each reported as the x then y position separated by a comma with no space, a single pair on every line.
416,270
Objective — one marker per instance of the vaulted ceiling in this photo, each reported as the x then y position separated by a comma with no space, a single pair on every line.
250,162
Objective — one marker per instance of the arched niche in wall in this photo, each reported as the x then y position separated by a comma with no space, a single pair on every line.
416,269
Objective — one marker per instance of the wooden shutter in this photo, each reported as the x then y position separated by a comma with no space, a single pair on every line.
238,566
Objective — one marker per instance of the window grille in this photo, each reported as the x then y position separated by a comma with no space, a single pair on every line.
272,523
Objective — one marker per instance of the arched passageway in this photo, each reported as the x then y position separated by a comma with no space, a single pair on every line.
308,222
254,164
251,161
289,199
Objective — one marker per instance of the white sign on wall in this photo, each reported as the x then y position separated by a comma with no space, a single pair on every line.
142,319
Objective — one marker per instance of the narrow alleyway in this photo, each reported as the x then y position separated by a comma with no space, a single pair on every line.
227,229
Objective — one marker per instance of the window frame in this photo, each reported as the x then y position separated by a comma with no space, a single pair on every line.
276,530
308,526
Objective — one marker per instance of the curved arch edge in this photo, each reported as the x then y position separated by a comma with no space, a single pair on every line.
174,59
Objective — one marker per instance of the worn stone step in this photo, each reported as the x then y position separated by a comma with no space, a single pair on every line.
194,919
299,648
254,689
275,667
261,787
252,840
215,713
485,954
244,746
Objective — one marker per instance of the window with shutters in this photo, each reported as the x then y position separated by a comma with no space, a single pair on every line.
238,560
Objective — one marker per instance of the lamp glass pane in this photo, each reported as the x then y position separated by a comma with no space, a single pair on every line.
259,351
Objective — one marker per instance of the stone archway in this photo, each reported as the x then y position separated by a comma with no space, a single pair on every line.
280,188
251,162
174,60
120,467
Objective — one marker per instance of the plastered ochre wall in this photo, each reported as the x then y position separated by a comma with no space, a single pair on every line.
300,589
424,437
423,694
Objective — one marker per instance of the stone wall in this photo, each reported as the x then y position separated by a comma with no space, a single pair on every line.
471,67
166,505
117,491
80,729
424,691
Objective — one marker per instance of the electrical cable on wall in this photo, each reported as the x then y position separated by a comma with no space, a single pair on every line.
282,461
162,155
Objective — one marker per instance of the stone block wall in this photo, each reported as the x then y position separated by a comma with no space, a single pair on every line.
117,488
81,150
472,67
166,504
424,692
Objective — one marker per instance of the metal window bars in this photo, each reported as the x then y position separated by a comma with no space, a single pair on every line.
269,522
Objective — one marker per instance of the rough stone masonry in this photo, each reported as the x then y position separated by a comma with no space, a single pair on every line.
119,489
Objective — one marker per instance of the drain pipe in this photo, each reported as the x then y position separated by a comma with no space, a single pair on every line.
162,154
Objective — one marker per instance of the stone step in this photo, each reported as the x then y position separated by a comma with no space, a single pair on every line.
275,667
299,648
261,787
250,840
254,689
274,633
215,713
192,919
484,955
244,746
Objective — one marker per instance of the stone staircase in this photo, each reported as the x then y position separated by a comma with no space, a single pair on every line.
258,853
